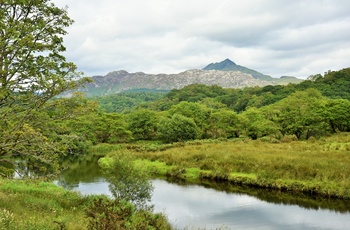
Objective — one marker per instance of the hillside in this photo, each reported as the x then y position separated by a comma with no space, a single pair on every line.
120,81
228,65
225,74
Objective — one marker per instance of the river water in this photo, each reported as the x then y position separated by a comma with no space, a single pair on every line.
199,207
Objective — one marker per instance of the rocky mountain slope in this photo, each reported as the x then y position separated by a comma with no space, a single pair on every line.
226,74
228,65
119,81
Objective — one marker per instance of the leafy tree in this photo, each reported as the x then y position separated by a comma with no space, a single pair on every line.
178,128
143,124
255,124
199,113
338,114
301,114
223,123
128,182
32,71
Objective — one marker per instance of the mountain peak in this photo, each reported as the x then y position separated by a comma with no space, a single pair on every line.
228,65
225,64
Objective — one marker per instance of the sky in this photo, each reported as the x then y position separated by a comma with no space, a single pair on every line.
275,37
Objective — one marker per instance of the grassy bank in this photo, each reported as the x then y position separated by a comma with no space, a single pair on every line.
32,205
39,205
315,167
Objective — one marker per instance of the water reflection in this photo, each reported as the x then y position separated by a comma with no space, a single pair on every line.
194,206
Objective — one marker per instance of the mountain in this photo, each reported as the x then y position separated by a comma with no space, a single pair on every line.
119,81
225,74
228,65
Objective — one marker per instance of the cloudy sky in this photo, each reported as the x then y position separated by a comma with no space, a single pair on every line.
275,37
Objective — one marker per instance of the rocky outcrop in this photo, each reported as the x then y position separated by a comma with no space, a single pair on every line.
119,81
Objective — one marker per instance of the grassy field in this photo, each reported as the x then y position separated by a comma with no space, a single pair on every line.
319,167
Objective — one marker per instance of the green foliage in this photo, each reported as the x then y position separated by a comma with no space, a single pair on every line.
118,214
223,123
143,124
302,114
199,113
38,205
313,166
125,101
178,128
195,93
106,214
32,71
127,182
338,114
255,125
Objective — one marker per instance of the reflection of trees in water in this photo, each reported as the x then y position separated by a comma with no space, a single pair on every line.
303,200
126,181
84,170
129,183
69,186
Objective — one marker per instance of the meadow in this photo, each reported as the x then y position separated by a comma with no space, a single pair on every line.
315,167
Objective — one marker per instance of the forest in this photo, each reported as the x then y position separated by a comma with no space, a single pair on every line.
315,108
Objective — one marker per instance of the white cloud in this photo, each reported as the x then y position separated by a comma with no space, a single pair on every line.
278,38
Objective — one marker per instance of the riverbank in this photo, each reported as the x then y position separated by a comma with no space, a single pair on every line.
40,205
36,205
315,167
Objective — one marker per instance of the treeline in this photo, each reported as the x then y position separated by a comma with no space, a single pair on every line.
333,84
315,108
127,100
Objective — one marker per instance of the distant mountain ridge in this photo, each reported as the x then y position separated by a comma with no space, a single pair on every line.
225,74
120,81
228,65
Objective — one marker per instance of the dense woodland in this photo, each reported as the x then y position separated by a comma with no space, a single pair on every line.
314,108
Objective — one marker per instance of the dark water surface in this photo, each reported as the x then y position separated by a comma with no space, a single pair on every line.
197,206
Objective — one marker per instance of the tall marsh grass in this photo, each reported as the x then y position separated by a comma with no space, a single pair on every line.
314,166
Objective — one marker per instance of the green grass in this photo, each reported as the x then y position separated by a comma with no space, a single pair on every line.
315,167
38,205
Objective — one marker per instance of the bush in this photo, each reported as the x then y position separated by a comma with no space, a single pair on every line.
289,138
116,214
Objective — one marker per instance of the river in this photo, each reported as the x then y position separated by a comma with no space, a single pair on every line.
198,206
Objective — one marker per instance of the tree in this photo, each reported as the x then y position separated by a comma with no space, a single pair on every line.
32,71
198,112
338,114
143,124
223,123
256,125
178,128
302,114
127,182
